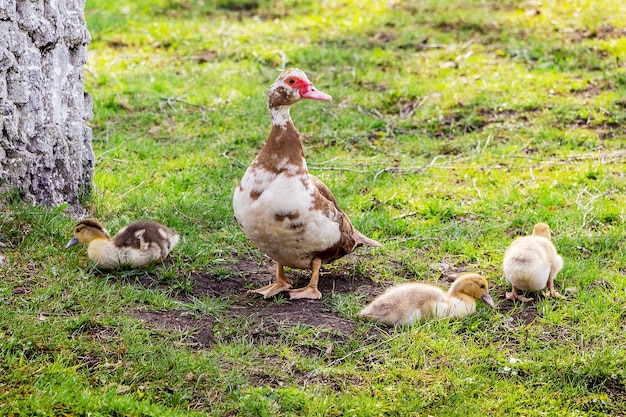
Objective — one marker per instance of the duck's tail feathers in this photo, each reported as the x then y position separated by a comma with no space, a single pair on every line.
361,239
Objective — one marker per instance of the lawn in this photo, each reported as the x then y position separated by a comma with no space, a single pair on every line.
455,126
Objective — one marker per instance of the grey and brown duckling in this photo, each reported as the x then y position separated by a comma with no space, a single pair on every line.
405,304
135,246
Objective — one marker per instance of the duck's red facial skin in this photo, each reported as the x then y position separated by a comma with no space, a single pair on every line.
306,89
295,82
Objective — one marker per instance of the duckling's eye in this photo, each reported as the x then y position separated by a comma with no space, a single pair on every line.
291,81
482,286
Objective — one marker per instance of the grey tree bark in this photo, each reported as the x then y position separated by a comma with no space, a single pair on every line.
45,147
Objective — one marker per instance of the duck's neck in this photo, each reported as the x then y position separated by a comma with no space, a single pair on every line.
283,151
280,116
101,248
467,299
101,241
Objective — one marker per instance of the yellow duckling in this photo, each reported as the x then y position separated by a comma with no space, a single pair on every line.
531,262
404,304
136,245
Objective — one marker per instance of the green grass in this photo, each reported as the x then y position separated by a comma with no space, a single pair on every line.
455,126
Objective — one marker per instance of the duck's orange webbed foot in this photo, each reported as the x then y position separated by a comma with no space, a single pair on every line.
282,284
272,289
308,292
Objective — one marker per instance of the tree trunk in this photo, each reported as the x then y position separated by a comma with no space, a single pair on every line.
45,153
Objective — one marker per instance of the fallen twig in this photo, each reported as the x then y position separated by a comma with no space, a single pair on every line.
587,207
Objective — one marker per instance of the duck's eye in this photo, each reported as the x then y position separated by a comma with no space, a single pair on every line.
291,81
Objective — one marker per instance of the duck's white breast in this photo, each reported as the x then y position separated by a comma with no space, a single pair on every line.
276,211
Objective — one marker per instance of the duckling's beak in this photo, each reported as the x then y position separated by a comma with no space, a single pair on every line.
487,299
72,242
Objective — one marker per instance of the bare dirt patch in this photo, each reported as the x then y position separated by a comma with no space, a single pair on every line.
602,32
263,321
593,89
199,329
264,317
521,314
465,119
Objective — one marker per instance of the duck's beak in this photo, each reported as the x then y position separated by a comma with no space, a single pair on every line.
72,242
313,93
487,299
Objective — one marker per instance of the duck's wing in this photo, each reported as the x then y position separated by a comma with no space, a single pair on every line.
144,235
325,201
324,192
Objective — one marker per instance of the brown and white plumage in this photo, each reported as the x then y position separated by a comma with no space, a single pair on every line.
288,213
407,303
136,245
531,263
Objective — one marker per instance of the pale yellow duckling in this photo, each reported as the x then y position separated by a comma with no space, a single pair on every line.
404,304
531,263
136,245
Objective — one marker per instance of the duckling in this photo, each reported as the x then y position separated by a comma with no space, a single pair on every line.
531,262
136,245
405,304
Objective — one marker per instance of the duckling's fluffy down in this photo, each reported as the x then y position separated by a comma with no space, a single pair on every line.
529,261
408,303
136,245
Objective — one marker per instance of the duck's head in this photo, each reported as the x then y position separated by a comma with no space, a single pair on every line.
86,231
543,230
475,286
291,86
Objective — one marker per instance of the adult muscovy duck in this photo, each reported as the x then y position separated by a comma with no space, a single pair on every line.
288,213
